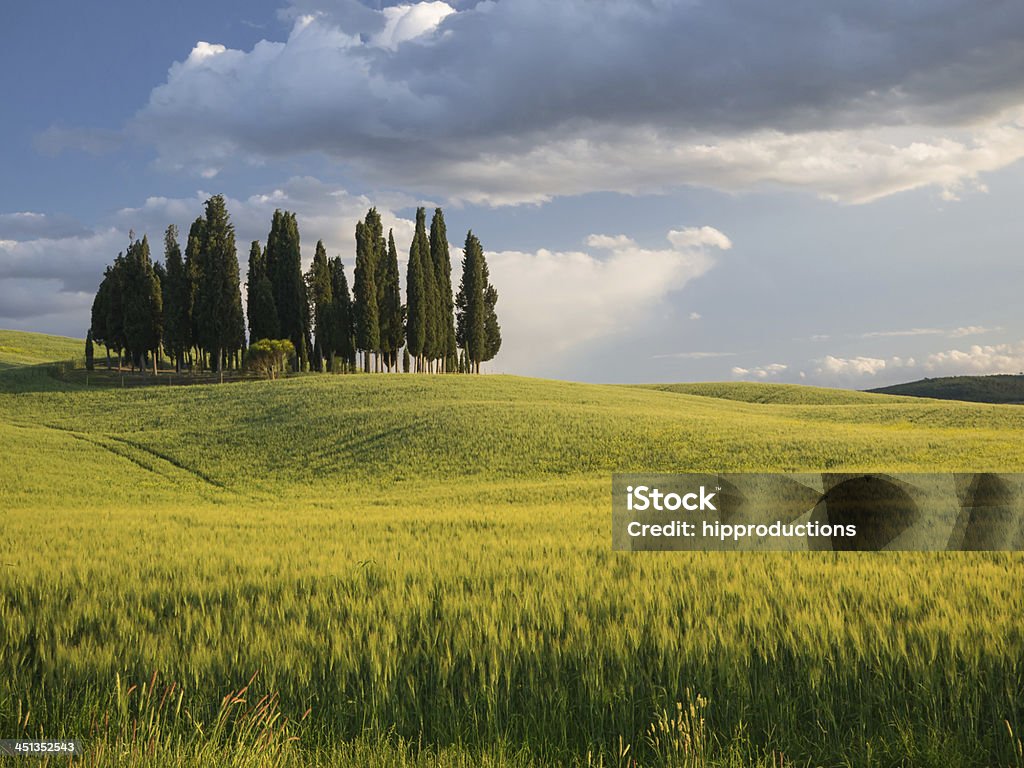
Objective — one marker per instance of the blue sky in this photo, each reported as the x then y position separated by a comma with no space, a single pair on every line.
805,192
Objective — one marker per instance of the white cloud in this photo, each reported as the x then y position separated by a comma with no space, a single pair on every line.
977,359
695,316
954,333
842,367
554,303
490,104
695,237
69,264
908,332
47,284
761,372
864,371
408,22
972,330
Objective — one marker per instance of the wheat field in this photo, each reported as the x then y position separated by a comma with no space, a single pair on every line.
417,571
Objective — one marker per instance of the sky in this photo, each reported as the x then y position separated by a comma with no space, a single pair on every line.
666,190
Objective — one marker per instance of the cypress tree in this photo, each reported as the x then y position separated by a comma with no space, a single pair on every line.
142,304
342,333
442,263
321,296
193,268
115,307
284,268
177,301
367,324
260,308
218,296
100,311
415,328
433,341
469,302
392,323
161,275
89,352
492,330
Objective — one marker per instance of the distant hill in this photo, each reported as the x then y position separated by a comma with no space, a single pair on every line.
999,388
774,394
18,348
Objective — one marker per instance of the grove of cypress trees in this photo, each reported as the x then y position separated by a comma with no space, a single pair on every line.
193,304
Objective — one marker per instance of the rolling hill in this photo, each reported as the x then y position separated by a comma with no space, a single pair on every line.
421,566
998,388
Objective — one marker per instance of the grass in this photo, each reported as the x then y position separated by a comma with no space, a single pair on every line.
418,572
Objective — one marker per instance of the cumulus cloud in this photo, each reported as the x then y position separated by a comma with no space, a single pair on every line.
760,372
553,303
408,22
71,264
47,283
486,102
696,237
978,359
852,367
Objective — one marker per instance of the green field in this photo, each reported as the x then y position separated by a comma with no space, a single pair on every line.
416,570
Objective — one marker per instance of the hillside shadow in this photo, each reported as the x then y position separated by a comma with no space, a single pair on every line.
17,379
